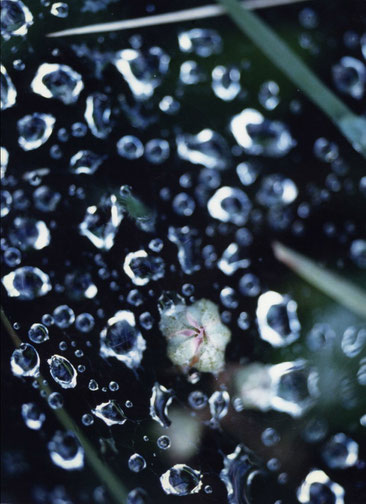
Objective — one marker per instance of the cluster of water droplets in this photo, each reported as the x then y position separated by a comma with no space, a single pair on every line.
199,201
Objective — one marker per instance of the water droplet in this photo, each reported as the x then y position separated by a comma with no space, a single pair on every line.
235,475
28,233
276,190
110,412
93,385
163,442
318,487
60,9
191,73
249,285
230,204
260,136
38,333
277,319
143,71
270,437
66,451
358,253
63,316
200,41
325,150
122,340
226,82
268,95
197,399
53,80
349,76
101,223
184,205
87,419
136,463
157,150
12,257
55,400
45,199
84,322
62,371
32,416
181,480
187,241
34,130
8,94
247,172
219,404
80,285
340,452
208,148
6,201
142,268
130,147
160,400
85,161
113,386
97,115
16,18
27,283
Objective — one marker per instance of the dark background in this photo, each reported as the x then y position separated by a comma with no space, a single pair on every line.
26,467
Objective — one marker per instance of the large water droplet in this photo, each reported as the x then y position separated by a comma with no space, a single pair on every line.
110,412
142,268
235,475
201,41
207,148
38,333
187,241
181,480
122,340
62,371
143,71
230,204
28,233
32,416
349,76
25,361
260,136
66,451
8,94
53,80
16,18
34,130
226,82
27,283
340,452
85,161
277,319
136,463
97,115
160,400
101,223
317,487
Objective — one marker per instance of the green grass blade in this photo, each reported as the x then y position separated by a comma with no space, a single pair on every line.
114,486
204,12
352,126
333,285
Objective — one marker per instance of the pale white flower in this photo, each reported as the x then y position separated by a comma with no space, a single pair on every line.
196,336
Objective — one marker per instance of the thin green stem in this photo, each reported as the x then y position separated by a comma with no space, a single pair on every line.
203,12
105,475
341,290
351,126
